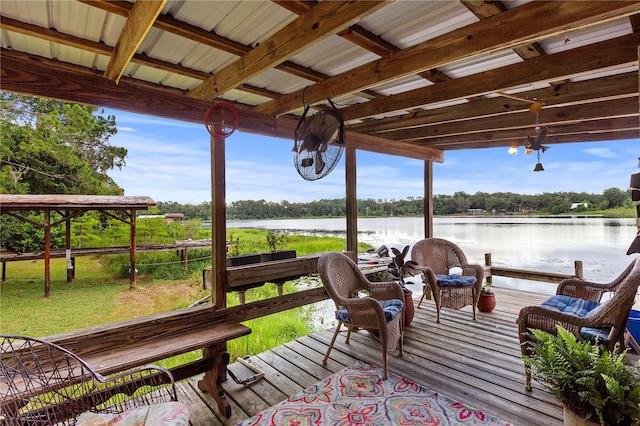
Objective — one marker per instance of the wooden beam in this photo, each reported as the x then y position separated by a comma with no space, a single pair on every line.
590,131
619,52
313,26
485,9
623,107
102,49
564,94
507,30
384,146
199,35
141,18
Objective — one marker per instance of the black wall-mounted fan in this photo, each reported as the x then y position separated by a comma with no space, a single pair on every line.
319,142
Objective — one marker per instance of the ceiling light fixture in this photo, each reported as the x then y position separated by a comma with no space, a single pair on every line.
513,150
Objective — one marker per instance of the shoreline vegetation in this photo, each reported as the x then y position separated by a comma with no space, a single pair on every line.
100,293
613,202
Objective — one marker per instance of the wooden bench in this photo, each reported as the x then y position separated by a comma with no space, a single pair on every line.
117,347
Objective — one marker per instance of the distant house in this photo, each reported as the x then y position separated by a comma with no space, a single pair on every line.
476,211
575,205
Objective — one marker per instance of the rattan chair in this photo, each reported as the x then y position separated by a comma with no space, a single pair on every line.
577,308
44,384
437,257
381,311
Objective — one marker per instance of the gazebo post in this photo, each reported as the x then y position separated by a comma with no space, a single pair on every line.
132,252
67,236
47,253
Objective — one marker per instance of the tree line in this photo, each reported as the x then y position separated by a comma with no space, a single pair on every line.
458,203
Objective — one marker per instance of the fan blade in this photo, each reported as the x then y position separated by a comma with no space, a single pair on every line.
319,163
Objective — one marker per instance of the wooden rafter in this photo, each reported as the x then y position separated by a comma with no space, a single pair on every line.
484,9
102,49
319,22
585,131
141,18
206,38
507,30
615,108
618,52
565,94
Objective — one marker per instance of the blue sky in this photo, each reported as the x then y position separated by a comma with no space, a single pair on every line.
168,160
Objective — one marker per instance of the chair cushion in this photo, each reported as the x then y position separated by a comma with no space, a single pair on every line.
455,280
570,305
601,334
166,413
391,308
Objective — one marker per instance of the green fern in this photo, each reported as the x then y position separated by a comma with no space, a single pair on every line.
587,378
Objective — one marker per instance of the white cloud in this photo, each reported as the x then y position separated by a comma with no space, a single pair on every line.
601,152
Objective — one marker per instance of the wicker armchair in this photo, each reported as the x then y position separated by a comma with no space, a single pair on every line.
577,308
381,312
436,256
44,384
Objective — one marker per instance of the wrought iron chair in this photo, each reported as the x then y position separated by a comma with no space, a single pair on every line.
576,307
380,310
436,257
44,384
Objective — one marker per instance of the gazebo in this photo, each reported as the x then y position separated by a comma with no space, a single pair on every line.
67,207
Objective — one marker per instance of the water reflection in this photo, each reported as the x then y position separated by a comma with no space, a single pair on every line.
534,243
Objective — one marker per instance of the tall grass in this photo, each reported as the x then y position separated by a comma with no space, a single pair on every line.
100,295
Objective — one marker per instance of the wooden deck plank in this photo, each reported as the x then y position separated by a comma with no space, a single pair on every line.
476,362
199,412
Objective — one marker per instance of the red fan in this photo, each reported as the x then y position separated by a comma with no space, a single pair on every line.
221,119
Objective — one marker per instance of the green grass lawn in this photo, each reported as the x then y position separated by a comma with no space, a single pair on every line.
97,297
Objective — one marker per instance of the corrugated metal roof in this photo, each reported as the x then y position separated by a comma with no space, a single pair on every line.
397,27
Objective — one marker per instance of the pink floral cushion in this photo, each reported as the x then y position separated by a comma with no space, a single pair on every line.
166,413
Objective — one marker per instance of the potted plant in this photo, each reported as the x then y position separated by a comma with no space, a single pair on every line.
276,241
592,383
487,301
398,267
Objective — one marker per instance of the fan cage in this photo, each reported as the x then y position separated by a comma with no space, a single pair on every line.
221,119
316,155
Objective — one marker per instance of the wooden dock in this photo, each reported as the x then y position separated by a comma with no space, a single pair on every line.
476,362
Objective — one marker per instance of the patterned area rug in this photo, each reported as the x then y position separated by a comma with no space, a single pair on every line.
357,395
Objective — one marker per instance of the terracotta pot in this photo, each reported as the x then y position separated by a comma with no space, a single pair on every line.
572,419
487,302
409,309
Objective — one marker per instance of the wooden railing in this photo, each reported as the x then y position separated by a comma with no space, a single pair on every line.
110,340
549,277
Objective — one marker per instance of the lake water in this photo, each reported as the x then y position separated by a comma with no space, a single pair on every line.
532,243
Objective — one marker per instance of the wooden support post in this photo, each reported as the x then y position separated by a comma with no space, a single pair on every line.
352,200
218,225
213,379
47,254
428,199
185,258
487,262
132,252
67,237
579,271
4,271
